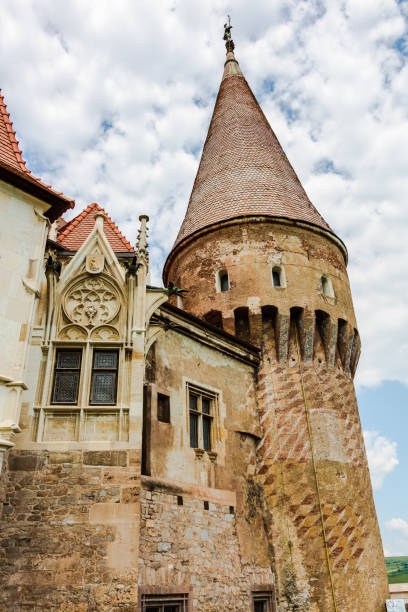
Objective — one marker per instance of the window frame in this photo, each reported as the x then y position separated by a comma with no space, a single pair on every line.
280,270
45,409
202,416
266,596
326,286
218,280
57,370
95,370
160,600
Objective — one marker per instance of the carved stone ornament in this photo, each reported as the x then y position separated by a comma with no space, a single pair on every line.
105,333
73,332
92,302
95,263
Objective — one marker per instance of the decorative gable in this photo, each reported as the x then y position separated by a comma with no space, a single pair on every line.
73,234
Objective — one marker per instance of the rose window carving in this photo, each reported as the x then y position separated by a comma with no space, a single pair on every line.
92,302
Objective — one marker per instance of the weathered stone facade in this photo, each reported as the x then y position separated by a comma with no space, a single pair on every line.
193,547
69,530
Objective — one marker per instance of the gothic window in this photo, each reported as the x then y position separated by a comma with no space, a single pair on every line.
165,603
201,411
104,377
163,408
66,376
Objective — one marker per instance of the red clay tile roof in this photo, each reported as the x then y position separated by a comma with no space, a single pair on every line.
73,234
243,169
13,168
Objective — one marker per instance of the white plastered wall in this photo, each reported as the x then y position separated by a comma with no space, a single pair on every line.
23,231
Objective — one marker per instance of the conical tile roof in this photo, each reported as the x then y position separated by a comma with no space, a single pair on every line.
243,169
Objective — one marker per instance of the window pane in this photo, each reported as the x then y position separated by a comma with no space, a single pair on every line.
69,360
103,388
66,387
205,405
193,430
207,433
224,282
193,402
276,281
163,408
105,360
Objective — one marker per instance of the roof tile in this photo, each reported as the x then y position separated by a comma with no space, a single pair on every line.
11,158
243,169
73,234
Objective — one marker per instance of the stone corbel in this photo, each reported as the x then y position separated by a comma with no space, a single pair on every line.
30,288
42,217
10,412
199,453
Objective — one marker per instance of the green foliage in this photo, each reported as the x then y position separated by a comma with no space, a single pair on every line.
397,569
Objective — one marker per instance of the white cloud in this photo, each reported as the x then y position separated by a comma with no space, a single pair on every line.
381,455
112,104
397,535
398,524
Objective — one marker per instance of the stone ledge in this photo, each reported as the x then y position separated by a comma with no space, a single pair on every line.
175,487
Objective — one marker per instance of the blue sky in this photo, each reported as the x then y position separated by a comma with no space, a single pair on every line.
384,409
112,102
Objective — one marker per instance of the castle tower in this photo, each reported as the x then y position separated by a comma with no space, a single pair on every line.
259,261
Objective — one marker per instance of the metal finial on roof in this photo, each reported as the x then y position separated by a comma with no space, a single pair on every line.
229,43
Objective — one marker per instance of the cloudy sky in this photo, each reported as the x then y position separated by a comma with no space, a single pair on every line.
111,102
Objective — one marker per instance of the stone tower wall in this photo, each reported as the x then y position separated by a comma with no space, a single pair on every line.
314,476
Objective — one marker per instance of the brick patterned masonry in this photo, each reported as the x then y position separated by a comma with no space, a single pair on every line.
196,549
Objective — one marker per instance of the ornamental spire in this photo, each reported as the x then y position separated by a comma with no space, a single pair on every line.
229,43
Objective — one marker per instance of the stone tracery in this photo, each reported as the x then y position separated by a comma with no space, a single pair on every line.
92,302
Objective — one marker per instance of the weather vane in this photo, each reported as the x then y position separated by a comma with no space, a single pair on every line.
229,43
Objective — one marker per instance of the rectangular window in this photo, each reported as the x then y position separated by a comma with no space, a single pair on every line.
66,376
263,601
163,408
165,603
201,410
104,377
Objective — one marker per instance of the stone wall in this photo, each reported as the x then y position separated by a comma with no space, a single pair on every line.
69,531
22,237
197,550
